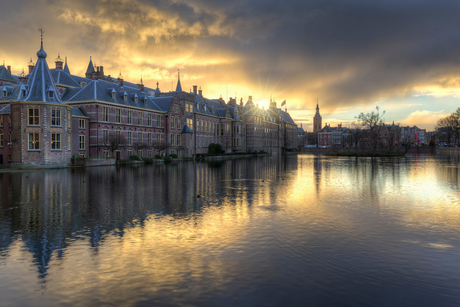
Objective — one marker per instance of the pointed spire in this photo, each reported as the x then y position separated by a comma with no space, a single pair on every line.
90,69
178,87
66,68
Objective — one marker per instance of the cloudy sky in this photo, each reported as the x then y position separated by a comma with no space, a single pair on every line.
402,55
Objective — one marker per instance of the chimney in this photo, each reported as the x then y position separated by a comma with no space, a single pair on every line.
101,73
9,68
58,63
120,81
200,92
109,78
94,75
141,86
31,65
194,89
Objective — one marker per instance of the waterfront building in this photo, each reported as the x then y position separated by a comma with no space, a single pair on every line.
50,115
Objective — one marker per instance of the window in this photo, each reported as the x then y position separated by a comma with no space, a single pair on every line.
130,117
176,109
81,123
158,137
172,139
5,93
105,154
139,137
34,116
139,118
1,120
158,120
51,94
69,142
69,119
149,121
118,133
118,115
136,99
82,83
34,141
140,154
130,138
105,136
81,142
125,97
178,140
149,153
149,139
178,123
130,153
173,122
55,117
105,114
114,94
1,140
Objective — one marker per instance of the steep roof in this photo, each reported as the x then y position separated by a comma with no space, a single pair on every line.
90,68
5,74
41,82
178,86
66,68
63,78
287,117
79,111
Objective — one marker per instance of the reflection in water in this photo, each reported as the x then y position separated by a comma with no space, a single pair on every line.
266,231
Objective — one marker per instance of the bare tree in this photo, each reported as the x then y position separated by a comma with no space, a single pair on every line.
160,145
114,141
372,122
139,146
447,128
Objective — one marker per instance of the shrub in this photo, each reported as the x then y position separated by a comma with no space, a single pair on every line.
168,159
173,156
133,157
148,160
157,157
215,149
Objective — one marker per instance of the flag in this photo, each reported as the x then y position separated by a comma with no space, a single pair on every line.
283,103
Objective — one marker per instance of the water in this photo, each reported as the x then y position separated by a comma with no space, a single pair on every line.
305,230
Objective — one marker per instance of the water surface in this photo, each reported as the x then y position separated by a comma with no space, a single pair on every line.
272,231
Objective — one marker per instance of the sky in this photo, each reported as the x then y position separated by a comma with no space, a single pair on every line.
349,55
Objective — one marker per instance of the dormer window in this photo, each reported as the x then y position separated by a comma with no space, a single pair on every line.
145,100
136,99
24,93
114,95
5,93
51,94
125,96
82,83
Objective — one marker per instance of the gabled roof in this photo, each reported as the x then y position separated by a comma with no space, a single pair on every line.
163,103
178,86
5,74
41,82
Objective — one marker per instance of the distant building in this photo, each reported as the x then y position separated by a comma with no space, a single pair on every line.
317,120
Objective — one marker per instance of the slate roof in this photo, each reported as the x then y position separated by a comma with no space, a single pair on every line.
6,109
41,82
90,68
186,129
79,111
102,91
178,86
66,68
287,117
5,74
63,78
163,103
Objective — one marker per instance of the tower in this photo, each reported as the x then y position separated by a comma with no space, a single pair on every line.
317,119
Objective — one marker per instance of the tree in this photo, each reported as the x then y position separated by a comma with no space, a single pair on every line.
139,146
114,141
160,145
447,128
371,122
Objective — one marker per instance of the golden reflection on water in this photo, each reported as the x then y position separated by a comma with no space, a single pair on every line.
119,236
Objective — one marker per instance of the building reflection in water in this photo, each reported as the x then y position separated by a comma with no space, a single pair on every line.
146,228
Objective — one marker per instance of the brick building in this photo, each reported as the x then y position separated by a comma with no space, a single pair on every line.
50,115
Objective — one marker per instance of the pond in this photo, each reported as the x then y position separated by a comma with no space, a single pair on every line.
270,231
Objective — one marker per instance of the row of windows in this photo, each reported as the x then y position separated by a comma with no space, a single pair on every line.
34,117
175,139
140,137
175,123
151,120
56,141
